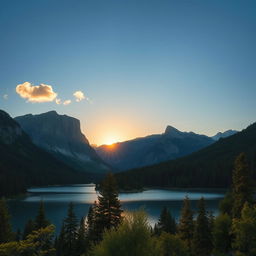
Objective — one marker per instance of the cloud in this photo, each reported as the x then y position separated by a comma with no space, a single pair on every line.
5,96
58,101
36,93
66,102
79,95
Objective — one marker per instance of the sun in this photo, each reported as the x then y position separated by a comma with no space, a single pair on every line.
110,141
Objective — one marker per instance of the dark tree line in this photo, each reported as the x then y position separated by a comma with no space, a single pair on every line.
106,232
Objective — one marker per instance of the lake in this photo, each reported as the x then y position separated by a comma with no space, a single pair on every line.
57,198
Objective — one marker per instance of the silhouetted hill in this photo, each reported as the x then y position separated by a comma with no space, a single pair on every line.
61,136
209,167
152,149
22,164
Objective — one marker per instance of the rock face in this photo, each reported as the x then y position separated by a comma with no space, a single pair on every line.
224,134
23,164
61,135
152,149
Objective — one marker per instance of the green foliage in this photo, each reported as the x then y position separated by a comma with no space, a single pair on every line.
6,234
81,243
108,211
29,227
41,221
202,240
244,231
166,223
241,189
171,245
226,204
131,237
186,224
39,243
69,233
221,234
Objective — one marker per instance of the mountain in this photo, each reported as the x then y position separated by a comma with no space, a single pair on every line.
61,136
209,167
225,134
152,149
23,164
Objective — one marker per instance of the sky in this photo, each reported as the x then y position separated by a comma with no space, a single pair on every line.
127,69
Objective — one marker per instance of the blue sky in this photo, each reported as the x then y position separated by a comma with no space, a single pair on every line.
142,64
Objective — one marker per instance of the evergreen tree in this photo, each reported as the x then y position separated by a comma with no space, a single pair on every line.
108,211
91,232
81,238
59,242
166,223
6,234
186,224
29,228
244,231
70,232
41,221
221,234
242,187
202,242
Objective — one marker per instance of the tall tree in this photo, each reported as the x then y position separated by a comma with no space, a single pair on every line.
242,187
166,223
6,234
40,220
108,212
29,227
81,238
91,231
186,224
202,240
244,231
70,232
221,234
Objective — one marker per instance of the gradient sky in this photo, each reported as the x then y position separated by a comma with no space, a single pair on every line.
143,64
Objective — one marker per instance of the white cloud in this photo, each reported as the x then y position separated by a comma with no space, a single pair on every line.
36,93
79,95
5,96
58,101
66,102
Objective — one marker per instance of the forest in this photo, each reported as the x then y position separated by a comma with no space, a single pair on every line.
109,231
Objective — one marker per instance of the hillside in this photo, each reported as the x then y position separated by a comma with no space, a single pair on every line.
152,149
209,167
22,164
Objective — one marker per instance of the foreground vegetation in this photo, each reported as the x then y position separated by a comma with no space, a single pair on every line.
108,231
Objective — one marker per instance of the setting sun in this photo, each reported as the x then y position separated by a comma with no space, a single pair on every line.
110,141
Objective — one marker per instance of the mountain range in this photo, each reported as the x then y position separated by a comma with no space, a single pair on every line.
23,164
209,167
152,149
61,136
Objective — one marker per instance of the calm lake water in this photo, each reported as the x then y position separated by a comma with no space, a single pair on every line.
57,198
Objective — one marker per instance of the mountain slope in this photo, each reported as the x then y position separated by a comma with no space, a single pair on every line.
152,149
224,134
61,136
22,164
209,167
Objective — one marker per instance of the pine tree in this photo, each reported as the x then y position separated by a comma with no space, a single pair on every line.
91,231
40,220
166,223
29,228
6,234
70,232
242,187
108,211
81,238
202,239
59,242
186,224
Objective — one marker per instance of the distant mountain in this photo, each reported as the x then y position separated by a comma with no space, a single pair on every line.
224,134
152,149
209,167
61,136
23,164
